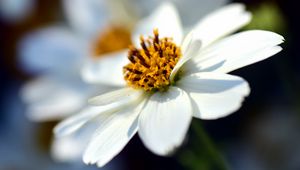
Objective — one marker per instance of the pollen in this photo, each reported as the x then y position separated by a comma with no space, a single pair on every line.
111,39
151,65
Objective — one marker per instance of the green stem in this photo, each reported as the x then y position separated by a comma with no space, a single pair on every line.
203,155
212,151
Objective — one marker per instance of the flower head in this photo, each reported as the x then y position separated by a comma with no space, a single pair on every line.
150,67
56,54
169,80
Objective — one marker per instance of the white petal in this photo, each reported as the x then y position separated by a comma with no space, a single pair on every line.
259,56
122,95
53,98
214,95
221,22
237,51
112,136
190,48
191,10
165,19
50,49
73,123
164,121
187,41
108,69
66,149
86,16
71,147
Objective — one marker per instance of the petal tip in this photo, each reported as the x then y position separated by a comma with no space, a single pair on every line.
86,158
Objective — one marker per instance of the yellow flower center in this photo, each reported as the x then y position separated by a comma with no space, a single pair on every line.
112,39
150,66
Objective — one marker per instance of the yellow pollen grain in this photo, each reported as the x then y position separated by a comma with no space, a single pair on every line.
151,65
112,39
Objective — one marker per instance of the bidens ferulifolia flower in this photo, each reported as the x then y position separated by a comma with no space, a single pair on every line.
169,82
56,54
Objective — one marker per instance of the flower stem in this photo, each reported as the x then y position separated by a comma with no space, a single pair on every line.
203,155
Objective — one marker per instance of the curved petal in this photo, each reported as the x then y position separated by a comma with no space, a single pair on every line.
50,49
86,16
165,19
71,147
190,48
66,149
214,95
164,121
222,22
106,70
122,95
53,98
112,136
237,51
74,123
191,10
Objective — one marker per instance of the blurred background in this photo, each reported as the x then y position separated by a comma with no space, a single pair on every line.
262,135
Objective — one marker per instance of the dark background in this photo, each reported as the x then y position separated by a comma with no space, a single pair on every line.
262,135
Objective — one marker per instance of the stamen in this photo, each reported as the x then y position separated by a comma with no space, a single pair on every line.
152,64
142,60
131,58
144,47
133,71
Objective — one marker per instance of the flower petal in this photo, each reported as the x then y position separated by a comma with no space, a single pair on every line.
163,18
66,149
164,121
112,136
191,10
71,147
86,16
214,95
191,48
106,70
73,123
122,95
221,22
237,51
50,49
53,98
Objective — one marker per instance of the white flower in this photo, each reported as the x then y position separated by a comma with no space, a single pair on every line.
56,54
189,10
164,93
